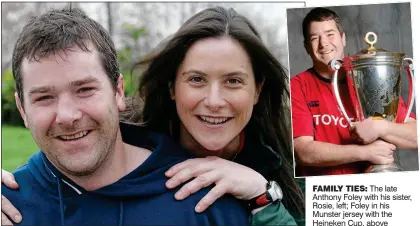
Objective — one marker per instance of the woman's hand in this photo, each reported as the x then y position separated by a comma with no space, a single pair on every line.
6,207
229,177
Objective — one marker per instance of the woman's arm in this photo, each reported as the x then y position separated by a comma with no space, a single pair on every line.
229,178
7,208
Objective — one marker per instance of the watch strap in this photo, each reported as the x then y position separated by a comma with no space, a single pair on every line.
260,201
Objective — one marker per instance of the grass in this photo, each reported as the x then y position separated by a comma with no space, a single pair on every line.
16,147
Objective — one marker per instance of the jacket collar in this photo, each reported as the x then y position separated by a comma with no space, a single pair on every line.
256,154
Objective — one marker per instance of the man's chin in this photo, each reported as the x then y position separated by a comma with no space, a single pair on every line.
80,172
78,168
326,60
322,65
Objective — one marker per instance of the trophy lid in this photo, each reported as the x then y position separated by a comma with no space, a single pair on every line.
373,55
370,39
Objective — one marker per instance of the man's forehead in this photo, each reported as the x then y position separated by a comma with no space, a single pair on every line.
61,57
70,65
63,54
322,26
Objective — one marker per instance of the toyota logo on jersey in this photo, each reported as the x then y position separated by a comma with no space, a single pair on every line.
326,120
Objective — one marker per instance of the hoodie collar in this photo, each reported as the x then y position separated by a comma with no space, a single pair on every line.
48,176
147,179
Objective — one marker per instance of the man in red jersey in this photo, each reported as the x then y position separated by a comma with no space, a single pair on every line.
323,142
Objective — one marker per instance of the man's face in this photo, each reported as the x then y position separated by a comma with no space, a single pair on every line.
325,43
71,109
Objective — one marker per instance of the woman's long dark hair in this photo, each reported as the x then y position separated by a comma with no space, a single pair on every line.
270,115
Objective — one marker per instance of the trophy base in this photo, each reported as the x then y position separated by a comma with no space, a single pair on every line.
383,168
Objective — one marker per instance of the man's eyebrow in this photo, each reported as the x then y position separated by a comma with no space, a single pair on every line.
47,89
81,82
315,34
41,89
312,34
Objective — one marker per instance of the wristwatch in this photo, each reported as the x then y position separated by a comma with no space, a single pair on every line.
273,194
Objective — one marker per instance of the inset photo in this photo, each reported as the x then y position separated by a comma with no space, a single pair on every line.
352,89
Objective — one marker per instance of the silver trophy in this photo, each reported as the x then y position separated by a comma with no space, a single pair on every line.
374,82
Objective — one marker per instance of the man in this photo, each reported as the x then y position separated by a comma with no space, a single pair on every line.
69,94
324,144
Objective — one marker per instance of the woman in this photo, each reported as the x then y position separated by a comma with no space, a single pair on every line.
216,89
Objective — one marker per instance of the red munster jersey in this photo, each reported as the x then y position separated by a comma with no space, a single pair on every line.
315,112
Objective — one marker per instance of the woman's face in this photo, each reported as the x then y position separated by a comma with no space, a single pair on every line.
215,92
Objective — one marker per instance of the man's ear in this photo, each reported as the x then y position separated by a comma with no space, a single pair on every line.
19,105
119,95
258,91
171,90
343,39
307,47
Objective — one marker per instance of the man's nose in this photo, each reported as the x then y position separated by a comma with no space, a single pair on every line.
67,111
323,41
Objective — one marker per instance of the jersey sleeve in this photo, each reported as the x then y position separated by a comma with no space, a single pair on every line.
301,116
402,112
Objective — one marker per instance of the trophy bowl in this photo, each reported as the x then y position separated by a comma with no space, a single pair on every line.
374,78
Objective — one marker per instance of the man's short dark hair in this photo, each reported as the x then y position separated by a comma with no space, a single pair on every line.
55,31
319,14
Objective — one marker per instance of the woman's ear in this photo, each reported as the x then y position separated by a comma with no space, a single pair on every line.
171,90
258,91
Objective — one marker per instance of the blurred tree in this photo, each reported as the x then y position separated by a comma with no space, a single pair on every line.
127,58
9,111
160,19
109,17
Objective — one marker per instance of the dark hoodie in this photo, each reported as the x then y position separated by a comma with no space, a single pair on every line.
47,197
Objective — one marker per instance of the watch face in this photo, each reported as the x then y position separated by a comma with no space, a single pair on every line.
276,192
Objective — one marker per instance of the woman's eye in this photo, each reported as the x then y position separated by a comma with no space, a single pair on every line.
234,81
196,79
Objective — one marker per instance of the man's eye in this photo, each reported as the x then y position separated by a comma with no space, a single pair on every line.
43,98
84,90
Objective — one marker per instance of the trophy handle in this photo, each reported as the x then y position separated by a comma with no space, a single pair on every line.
336,65
410,71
